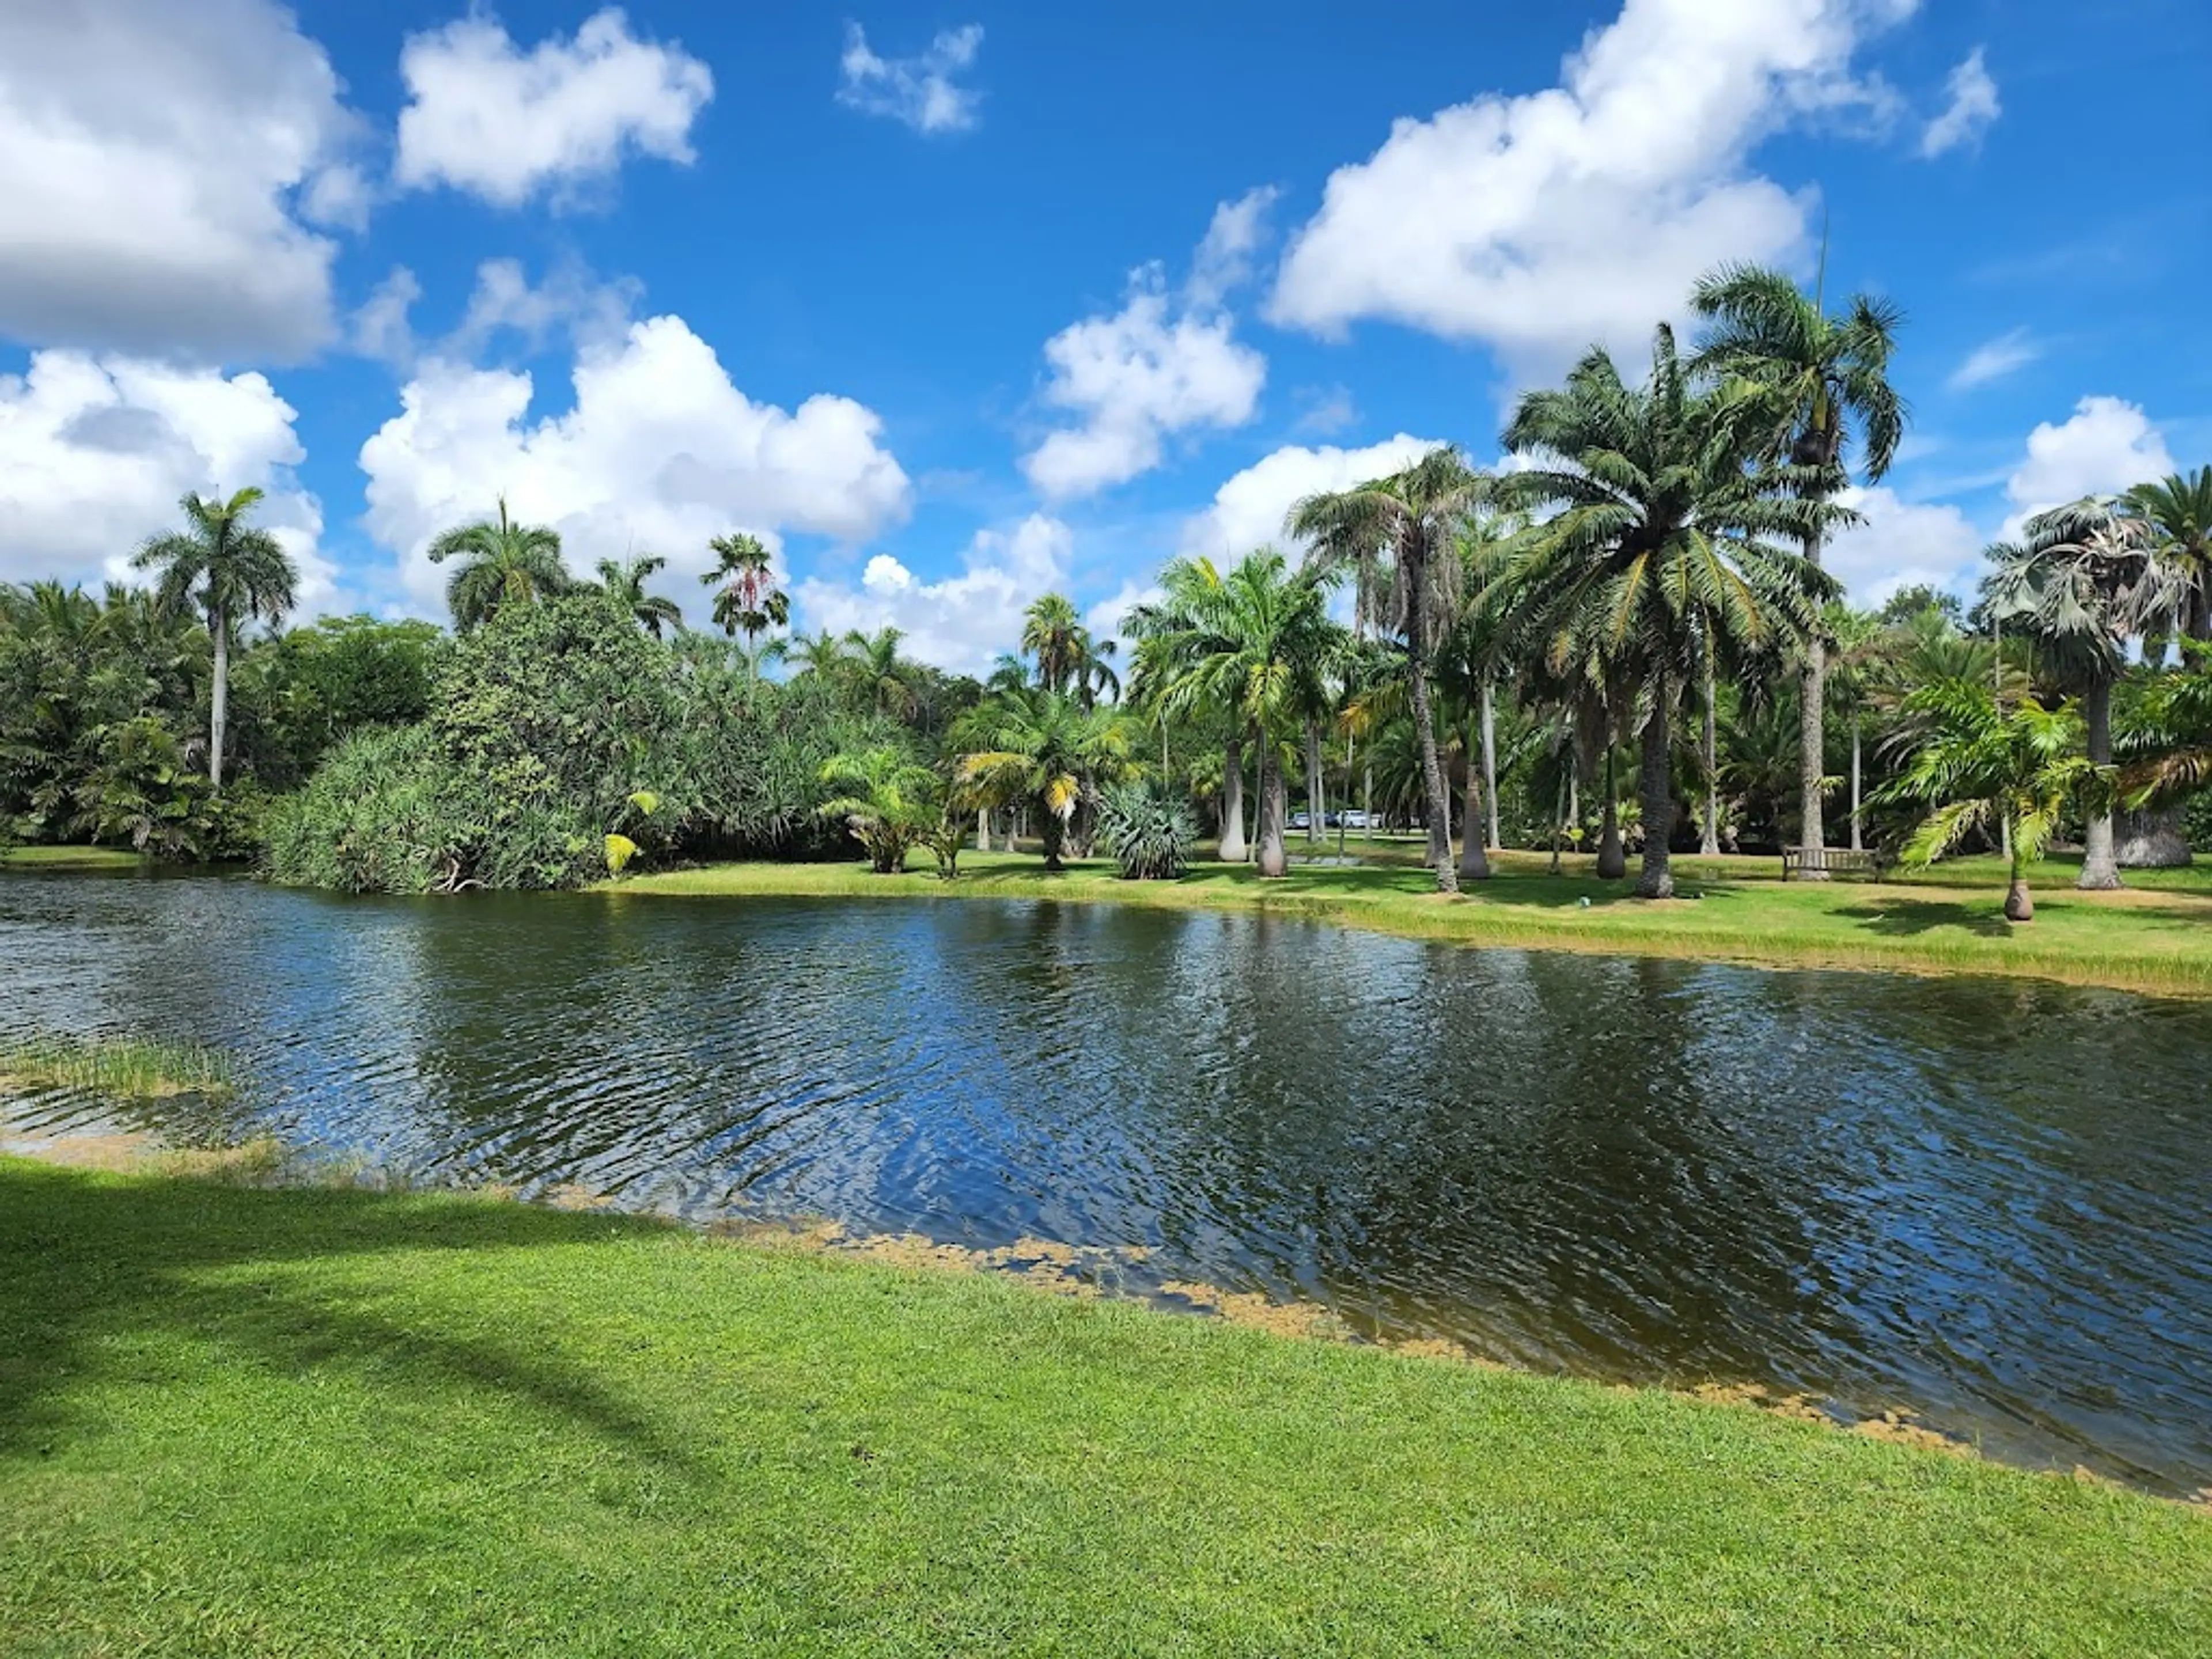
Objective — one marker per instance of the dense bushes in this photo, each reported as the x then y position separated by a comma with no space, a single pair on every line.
1148,831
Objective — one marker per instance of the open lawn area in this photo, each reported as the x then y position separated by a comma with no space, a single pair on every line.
70,858
331,1421
2153,936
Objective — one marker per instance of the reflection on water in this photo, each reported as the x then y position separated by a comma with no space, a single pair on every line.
1985,1200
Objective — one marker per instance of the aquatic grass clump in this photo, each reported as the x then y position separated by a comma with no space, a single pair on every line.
130,1067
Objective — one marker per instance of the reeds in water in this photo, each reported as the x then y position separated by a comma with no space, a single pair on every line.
137,1068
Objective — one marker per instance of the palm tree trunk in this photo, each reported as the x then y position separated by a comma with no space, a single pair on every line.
982,828
1491,841
1709,840
1273,858
1424,726
1811,737
1233,849
218,695
2099,872
1315,812
1657,881
1612,861
1858,830
2018,906
1474,861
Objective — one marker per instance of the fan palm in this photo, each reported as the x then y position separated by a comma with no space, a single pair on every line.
1661,538
1826,380
230,570
625,585
747,600
1046,748
1412,516
2083,582
2177,512
506,563
2010,774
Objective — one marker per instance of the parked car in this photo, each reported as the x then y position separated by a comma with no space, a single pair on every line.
1300,820
1355,819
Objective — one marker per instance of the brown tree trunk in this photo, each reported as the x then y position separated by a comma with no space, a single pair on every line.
2099,872
1233,849
1612,861
1437,797
2018,906
1709,838
1657,881
1273,858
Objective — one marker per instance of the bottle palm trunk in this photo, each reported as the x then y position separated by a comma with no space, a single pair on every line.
218,694
1273,858
2100,871
1233,849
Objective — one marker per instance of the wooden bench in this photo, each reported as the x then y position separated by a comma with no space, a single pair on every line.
1831,861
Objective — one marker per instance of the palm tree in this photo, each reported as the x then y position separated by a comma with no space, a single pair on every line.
2012,773
1257,641
820,653
2177,512
1412,514
885,799
231,571
1160,632
2084,581
749,602
1826,381
1862,645
1051,632
625,585
507,563
880,677
1661,538
1048,749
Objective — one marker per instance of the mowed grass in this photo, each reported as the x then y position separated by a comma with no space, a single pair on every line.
2154,936
240,1420
70,858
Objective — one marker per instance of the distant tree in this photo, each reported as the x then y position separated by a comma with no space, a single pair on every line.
1047,748
1907,603
505,562
885,799
625,585
747,600
230,571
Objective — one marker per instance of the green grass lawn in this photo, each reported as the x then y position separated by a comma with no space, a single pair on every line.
2156,936
238,1421
70,858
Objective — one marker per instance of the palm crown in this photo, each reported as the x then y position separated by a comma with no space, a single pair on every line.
505,562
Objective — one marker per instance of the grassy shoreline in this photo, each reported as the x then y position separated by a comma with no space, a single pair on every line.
318,1420
2154,937
71,857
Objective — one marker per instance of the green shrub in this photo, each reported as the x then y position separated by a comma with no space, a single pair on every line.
1148,831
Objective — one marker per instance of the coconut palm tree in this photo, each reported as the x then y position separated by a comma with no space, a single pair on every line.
230,570
1413,515
747,600
2008,772
625,585
881,679
1162,633
506,563
1047,748
2083,582
2177,512
1258,642
1826,378
886,798
1053,634
1661,538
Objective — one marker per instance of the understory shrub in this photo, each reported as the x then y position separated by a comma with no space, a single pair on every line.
1148,831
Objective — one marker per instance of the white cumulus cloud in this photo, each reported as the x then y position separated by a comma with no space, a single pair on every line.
1585,212
961,622
920,90
1902,544
2107,445
487,117
658,453
94,453
1973,106
163,163
1248,511
1165,363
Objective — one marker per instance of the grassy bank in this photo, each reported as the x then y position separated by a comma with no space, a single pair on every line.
70,858
252,1421
2155,936
133,1068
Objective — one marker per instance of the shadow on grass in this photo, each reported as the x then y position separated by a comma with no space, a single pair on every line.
1901,918
91,1266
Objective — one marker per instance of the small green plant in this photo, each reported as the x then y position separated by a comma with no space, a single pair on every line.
944,839
1148,831
621,849
137,1068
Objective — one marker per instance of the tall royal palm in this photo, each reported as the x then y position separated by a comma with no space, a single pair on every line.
231,571
746,600
505,562
1257,641
1827,379
1412,516
625,585
1660,545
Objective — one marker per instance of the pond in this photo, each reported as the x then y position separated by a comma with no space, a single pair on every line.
1984,1202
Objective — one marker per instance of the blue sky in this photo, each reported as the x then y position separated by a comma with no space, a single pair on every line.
954,305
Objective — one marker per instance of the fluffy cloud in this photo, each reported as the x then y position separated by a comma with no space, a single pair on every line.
1586,212
569,301
1995,359
162,162
658,453
963,621
1165,363
1902,544
95,451
2104,446
919,90
486,117
1973,107
1248,511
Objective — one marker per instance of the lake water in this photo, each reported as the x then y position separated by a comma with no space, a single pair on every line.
1985,1202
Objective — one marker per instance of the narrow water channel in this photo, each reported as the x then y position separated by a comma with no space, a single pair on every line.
1984,1202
